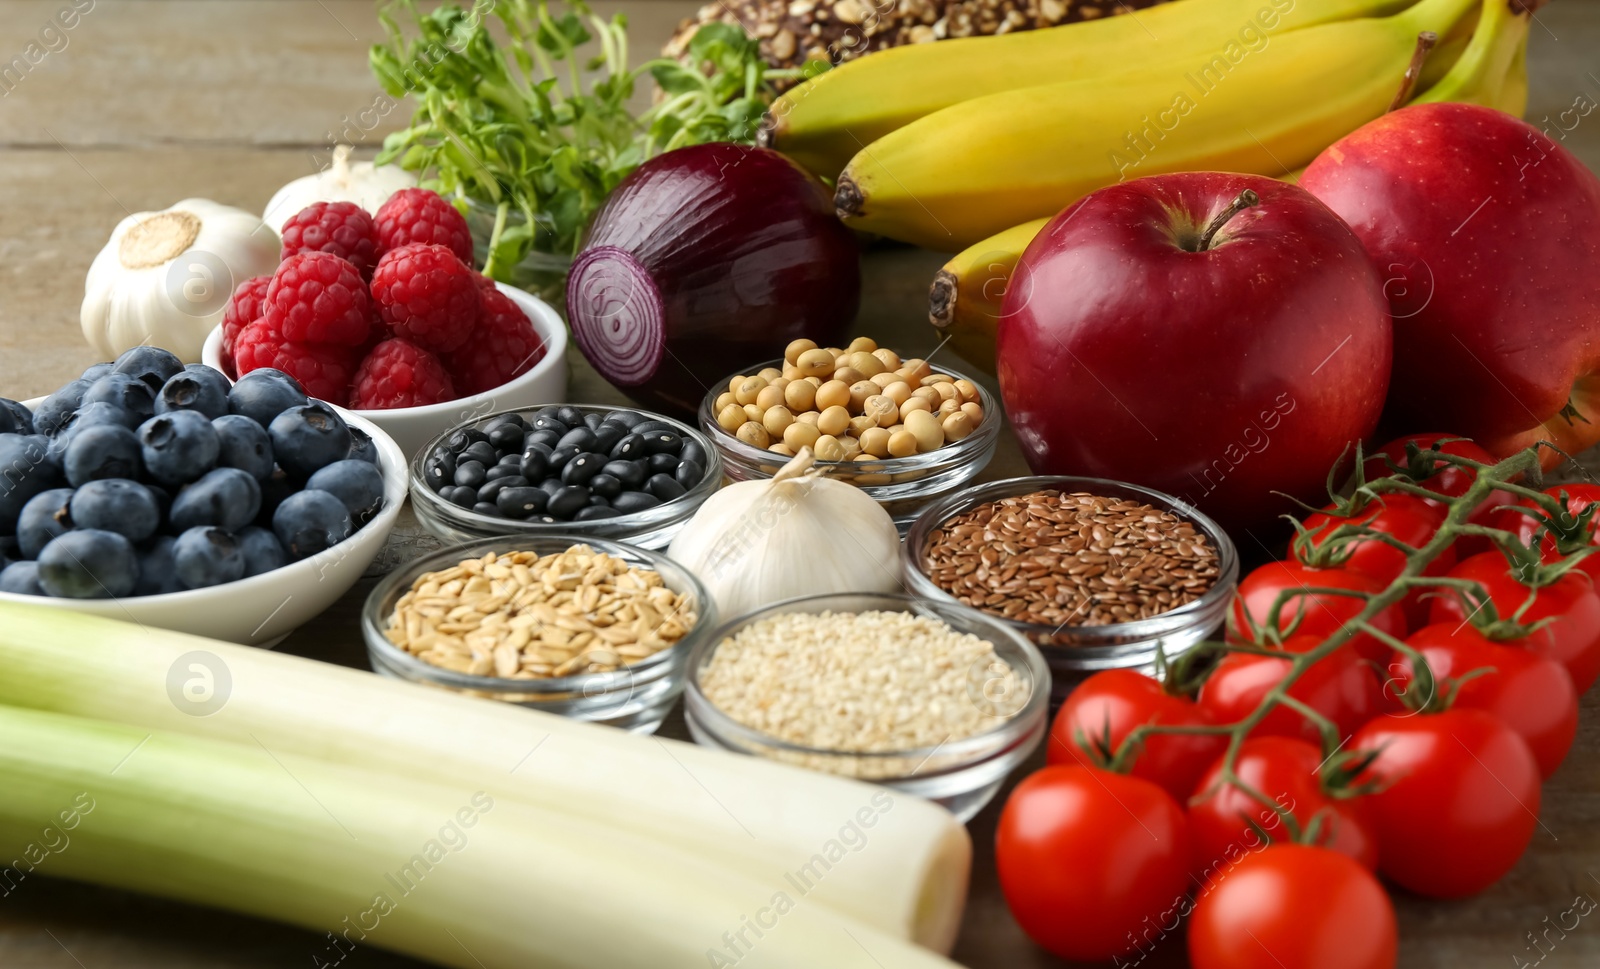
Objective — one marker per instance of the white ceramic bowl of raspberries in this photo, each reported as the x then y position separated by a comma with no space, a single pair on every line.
384,314
164,495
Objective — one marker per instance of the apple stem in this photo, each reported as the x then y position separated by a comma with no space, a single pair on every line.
1246,198
1408,83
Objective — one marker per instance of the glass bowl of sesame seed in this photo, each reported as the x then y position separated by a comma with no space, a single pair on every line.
1098,574
924,698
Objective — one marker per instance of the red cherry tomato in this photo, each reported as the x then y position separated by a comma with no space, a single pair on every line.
1571,602
1407,518
1526,690
1286,771
1342,686
1294,905
1458,799
1088,859
1449,480
1319,614
1121,700
1526,527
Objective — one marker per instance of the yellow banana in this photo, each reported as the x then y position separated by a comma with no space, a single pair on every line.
969,171
1487,69
1513,97
822,124
964,299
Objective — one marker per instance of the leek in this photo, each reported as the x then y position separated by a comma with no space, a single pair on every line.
755,818
456,876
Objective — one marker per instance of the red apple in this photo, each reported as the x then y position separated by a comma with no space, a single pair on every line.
1219,370
1488,235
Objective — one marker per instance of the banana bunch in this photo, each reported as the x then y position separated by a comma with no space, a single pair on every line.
1488,67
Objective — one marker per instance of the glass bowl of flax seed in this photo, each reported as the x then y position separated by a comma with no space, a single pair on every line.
1098,574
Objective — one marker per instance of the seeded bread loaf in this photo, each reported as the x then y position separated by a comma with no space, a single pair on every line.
792,32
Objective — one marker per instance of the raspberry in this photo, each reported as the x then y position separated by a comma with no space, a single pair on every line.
398,373
323,370
504,345
414,215
244,308
317,297
341,228
427,296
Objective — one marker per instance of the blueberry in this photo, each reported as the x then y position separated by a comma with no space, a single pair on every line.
262,551
460,495
97,371
593,512
204,391
470,474
89,564
309,522
207,556
362,447
630,448
179,447
307,438
45,516
632,501
102,412
157,574
569,415
21,578
225,498
566,502
129,393
506,437
262,395
482,452
15,418
521,502
440,470
101,451
560,456
152,365
581,468
579,437
163,499
545,439
25,470
273,491
56,410
663,442
356,483
243,444
605,485
117,505
664,486
487,508
692,451
662,463
535,462
689,473
630,473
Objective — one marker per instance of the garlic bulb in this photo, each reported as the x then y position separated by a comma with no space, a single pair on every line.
796,534
165,277
363,183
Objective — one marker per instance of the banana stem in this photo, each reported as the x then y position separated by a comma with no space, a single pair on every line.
1408,83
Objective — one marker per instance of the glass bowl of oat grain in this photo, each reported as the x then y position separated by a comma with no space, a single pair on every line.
1098,574
566,624
924,698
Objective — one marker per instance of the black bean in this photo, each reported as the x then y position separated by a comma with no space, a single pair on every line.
630,473
632,501
489,491
662,463
583,467
504,471
692,451
548,410
595,499
569,415
471,474
549,423
463,496
593,512
482,452
566,502
664,487
487,508
509,419
535,462
542,438
630,448
626,418
561,455
513,458
551,485
689,473
663,442
605,485
521,502
465,438
593,421
652,427
440,472
506,437
606,437
581,438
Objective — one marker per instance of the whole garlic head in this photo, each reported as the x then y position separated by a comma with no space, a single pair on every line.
363,183
165,277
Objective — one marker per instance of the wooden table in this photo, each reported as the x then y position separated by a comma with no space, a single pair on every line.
142,104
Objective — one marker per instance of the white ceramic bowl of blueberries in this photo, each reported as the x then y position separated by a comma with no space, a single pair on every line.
167,496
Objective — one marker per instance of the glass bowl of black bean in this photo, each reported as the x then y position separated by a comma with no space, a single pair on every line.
578,470
1098,574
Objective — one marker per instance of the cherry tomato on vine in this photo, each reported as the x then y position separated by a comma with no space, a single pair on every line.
1341,686
1525,689
1285,770
1089,859
1448,480
1458,799
1320,614
1571,602
1526,527
1407,518
1118,701
1294,905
